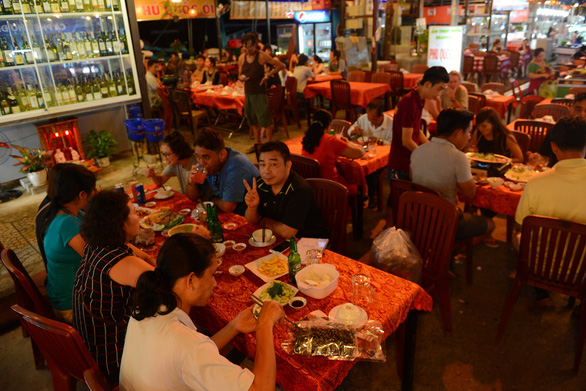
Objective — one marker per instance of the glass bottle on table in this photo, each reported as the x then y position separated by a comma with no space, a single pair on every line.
294,260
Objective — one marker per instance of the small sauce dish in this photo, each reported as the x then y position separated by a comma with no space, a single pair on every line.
150,204
229,243
239,246
236,270
229,226
297,302
184,212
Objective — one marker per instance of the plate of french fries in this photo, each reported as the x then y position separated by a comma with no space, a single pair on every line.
269,267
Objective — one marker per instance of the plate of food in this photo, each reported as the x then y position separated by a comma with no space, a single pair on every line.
161,220
279,291
142,212
163,194
269,267
487,157
520,173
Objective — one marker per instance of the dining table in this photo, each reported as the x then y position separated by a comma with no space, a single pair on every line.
395,301
503,104
354,171
503,65
322,78
361,94
410,80
218,97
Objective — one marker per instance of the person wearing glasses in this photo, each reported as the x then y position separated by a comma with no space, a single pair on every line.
225,169
179,158
251,71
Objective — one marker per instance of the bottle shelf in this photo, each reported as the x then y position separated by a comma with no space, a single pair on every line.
66,15
81,60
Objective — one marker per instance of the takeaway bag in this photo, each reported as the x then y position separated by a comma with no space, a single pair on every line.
394,252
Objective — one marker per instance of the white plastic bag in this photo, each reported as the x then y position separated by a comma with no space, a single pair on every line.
393,252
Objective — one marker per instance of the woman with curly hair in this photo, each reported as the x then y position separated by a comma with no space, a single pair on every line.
491,136
109,270
163,348
325,148
179,157
58,223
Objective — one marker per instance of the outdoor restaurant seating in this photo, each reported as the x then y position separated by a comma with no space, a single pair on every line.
555,110
498,87
276,97
527,105
341,126
563,101
524,140
305,166
183,110
468,68
535,129
341,99
557,267
332,199
432,222
67,356
490,69
355,76
418,68
515,58
28,296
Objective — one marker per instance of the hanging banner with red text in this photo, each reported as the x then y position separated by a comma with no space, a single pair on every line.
186,9
445,47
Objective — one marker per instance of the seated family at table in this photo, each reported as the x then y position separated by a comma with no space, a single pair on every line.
325,148
441,165
281,199
407,134
164,349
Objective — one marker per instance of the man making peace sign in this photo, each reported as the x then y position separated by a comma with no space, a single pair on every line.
281,198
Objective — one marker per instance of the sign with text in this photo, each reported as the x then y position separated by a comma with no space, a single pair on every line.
445,47
312,16
186,9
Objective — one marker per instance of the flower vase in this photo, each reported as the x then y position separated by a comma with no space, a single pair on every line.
37,178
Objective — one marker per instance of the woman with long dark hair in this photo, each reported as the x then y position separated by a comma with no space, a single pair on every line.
109,270
211,73
317,65
163,348
58,223
325,148
179,157
492,136
538,71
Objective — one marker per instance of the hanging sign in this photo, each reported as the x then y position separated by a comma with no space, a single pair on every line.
186,9
312,16
445,47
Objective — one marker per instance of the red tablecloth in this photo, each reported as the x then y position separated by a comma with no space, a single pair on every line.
394,298
322,78
355,171
222,102
410,80
503,66
501,200
361,93
501,103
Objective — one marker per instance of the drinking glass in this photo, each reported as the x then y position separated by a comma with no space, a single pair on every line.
199,175
313,257
362,293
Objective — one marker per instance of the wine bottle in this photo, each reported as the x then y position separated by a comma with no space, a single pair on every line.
130,82
101,6
71,92
74,47
27,51
59,48
120,85
8,58
32,97
102,45
7,4
95,46
111,87
50,49
115,5
39,6
66,48
38,53
14,106
95,6
78,6
115,44
104,87
64,6
59,92
87,6
79,91
26,6
16,7
87,90
109,47
50,97
89,53
55,8
23,99
72,6
108,5
4,105
17,53
96,88
124,46
40,99
46,6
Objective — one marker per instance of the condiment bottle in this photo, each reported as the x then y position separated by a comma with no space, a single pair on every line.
214,226
294,260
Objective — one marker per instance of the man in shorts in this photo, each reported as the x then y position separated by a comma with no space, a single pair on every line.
251,71
441,165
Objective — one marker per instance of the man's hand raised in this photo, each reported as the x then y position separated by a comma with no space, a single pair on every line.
252,199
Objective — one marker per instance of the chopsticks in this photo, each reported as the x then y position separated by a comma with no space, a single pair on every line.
263,231
292,325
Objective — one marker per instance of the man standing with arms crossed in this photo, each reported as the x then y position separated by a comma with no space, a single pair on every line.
251,72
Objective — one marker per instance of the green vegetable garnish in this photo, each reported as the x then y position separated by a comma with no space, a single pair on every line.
275,290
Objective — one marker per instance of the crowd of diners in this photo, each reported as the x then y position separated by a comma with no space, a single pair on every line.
132,311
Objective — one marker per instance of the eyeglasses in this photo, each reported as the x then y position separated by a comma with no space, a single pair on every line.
166,154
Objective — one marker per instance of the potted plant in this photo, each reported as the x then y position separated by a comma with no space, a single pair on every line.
33,164
100,146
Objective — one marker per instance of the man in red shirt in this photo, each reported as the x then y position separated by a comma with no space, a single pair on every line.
407,133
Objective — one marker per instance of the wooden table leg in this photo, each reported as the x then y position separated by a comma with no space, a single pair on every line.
510,225
409,350
358,229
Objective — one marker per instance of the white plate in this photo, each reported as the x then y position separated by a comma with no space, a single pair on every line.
258,292
254,243
358,323
158,228
164,195
149,211
254,265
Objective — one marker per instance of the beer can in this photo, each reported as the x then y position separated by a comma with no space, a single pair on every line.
119,187
134,192
140,193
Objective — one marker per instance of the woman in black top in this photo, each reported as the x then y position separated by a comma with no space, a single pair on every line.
491,136
211,74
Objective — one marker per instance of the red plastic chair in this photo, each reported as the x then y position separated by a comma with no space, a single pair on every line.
332,199
67,356
527,105
432,222
27,296
551,256
555,110
536,129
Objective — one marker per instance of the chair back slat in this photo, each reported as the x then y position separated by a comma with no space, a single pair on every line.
181,101
555,110
381,77
498,87
341,126
536,129
305,166
356,76
332,199
398,187
527,105
468,65
524,141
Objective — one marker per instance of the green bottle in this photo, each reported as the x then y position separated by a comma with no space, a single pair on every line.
96,88
4,105
12,102
215,227
79,91
130,82
294,260
27,51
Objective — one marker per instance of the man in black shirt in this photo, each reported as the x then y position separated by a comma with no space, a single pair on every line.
281,198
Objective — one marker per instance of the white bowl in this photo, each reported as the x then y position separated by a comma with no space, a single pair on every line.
239,247
184,212
257,236
316,273
348,312
220,249
495,182
236,270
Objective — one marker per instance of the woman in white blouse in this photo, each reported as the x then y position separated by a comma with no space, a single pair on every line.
163,349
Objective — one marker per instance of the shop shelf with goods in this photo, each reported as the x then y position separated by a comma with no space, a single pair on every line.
483,25
64,57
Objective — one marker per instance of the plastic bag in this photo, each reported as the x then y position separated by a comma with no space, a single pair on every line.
394,252
337,341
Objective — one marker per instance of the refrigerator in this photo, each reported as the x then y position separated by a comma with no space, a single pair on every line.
314,33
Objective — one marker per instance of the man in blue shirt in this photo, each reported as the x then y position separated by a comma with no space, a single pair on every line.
226,169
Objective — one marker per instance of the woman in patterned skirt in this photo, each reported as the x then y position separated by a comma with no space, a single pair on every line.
105,280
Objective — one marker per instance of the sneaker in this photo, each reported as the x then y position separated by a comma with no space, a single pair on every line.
491,242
